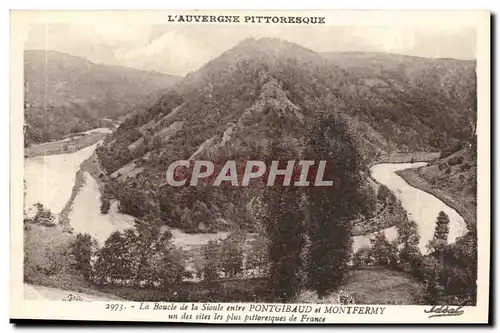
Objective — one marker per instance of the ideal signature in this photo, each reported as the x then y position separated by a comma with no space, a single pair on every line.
445,311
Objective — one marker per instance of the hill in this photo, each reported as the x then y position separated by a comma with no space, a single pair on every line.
419,102
67,94
264,90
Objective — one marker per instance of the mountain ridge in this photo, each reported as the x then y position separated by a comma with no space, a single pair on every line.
67,94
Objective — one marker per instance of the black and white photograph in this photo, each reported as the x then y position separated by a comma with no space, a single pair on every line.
246,167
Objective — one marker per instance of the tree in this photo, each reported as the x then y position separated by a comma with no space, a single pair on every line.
285,228
232,254
331,208
442,226
83,249
148,238
384,252
257,260
212,264
462,262
115,264
441,231
167,263
385,195
135,202
140,256
431,271
408,240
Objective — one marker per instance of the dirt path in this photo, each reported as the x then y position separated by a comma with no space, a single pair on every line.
32,292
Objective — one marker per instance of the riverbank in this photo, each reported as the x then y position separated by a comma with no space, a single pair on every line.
463,207
64,215
421,206
68,145
50,179
402,157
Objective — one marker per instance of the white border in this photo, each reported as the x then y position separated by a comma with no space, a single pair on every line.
189,4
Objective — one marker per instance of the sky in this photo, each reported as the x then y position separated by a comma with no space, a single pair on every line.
178,49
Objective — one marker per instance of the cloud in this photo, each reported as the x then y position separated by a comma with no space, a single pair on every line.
171,52
178,49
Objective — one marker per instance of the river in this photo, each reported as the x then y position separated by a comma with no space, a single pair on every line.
50,180
422,207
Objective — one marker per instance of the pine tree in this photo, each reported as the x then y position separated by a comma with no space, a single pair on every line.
442,226
438,243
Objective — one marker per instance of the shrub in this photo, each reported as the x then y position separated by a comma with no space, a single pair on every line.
466,166
455,160
363,257
42,217
345,298
105,204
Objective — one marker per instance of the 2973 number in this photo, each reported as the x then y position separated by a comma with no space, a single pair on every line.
115,307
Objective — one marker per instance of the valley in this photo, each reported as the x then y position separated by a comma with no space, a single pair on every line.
121,228
85,216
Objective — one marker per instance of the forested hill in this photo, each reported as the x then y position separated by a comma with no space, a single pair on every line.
263,92
66,94
420,102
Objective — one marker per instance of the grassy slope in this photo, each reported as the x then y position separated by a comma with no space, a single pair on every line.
377,285
374,285
46,250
